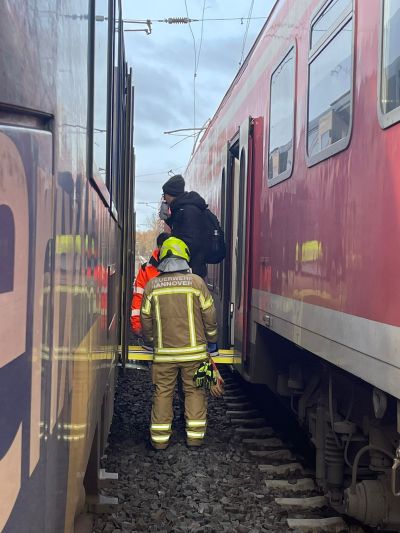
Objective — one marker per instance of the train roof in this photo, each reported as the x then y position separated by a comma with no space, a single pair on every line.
238,75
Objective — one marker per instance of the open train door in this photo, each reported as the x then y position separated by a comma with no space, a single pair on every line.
242,176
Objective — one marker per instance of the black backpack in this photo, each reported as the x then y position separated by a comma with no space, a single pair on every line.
214,241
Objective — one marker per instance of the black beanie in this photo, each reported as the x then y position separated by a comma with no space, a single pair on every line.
174,186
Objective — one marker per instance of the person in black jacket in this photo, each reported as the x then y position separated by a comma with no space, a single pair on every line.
187,220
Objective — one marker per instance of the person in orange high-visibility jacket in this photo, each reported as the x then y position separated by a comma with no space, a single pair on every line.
146,272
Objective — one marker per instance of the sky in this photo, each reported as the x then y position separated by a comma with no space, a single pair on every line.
163,68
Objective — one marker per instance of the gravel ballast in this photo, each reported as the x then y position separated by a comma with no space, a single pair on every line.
215,488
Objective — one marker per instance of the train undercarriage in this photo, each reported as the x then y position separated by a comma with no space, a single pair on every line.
353,426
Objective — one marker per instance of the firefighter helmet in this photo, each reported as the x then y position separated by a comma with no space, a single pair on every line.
173,247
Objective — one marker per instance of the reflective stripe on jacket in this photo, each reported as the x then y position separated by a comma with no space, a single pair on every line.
146,272
178,316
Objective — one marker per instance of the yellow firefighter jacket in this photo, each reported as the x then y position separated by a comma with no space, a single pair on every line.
178,316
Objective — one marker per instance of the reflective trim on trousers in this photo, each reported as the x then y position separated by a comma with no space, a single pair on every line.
196,423
195,434
160,438
160,427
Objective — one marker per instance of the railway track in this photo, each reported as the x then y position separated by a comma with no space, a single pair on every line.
289,481
247,478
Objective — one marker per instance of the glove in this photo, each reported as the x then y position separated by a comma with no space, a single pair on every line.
204,376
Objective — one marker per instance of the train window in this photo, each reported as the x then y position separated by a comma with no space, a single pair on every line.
281,120
390,64
118,94
100,92
7,249
326,21
330,88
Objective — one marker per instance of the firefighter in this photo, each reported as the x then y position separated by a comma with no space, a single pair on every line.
146,272
178,317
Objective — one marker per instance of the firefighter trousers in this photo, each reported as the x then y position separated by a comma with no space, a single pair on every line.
164,376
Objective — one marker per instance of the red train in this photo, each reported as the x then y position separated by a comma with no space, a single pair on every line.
301,161
66,187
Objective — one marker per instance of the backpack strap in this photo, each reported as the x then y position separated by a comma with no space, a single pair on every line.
153,262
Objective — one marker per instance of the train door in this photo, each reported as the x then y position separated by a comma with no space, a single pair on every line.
240,240
233,194
242,151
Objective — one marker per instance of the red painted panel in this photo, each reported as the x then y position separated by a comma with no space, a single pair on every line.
328,235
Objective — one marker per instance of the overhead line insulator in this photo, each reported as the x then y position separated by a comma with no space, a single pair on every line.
179,20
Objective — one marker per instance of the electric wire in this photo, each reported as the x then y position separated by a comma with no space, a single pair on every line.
247,31
164,171
194,71
185,21
192,135
201,36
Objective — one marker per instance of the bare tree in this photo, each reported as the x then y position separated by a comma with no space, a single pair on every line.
146,239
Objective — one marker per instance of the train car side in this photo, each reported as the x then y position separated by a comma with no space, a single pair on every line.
61,233
311,211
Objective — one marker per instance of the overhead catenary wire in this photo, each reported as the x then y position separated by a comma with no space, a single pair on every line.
247,30
187,20
197,45
191,135
174,20
194,69
197,54
201,36
157,173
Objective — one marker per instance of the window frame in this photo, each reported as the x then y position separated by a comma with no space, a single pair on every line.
392,117
346,17
118,91
99,184
288,172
